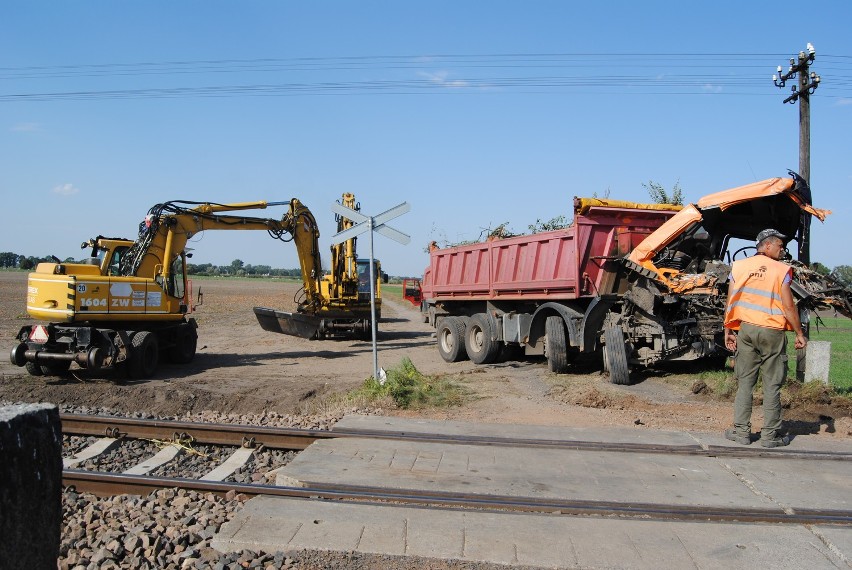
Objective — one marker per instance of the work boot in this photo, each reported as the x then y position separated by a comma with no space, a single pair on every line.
734,435
775,441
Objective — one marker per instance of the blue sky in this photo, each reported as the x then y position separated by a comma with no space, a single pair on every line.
476,113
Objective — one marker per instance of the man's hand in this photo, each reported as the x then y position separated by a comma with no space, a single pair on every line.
731,340
801,341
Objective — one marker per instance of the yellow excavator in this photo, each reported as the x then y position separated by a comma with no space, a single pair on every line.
339,303
129,302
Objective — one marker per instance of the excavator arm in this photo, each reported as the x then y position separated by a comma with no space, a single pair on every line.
168,227
331,303
343,279
345,308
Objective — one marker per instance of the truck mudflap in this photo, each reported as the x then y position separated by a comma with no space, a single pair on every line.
293,324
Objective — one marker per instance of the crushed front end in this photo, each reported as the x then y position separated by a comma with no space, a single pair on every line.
675,306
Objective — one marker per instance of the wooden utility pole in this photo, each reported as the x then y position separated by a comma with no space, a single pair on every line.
807,83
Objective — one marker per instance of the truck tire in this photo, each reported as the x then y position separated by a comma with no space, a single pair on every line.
33,369
451,339
144,355
186,342
555,346
615,355
478,343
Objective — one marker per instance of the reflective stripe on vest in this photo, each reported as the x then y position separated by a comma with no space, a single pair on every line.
756,293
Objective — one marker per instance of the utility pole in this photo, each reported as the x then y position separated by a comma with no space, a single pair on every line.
807,82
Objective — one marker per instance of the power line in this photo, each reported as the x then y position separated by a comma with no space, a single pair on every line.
438,75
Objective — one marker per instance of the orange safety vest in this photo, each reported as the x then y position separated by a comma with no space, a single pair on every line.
755,294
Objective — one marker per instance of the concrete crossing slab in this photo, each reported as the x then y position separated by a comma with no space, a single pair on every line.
552,540
798,483
268,524
520,472
356,422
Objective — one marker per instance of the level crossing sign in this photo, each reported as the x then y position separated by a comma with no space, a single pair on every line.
365,223
371,224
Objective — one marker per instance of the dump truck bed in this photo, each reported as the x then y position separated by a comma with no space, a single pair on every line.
564,264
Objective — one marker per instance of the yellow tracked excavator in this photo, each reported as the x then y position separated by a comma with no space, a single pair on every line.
128,303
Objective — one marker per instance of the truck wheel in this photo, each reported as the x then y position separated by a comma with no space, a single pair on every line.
33,369
186,342
451,339
555,346
144,355
615,355
478,343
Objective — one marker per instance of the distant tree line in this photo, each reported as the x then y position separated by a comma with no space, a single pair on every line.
9,260
240,269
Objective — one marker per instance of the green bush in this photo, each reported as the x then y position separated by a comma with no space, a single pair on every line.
409,388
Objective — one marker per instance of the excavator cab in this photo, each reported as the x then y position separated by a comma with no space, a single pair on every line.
364,279
176,283
115,258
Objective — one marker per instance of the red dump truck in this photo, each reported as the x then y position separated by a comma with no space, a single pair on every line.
639,283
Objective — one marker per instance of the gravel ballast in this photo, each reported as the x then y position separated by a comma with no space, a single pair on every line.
173,528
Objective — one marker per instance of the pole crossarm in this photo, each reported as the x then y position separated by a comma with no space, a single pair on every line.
808,83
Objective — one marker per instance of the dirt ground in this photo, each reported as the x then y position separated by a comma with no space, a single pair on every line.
243,369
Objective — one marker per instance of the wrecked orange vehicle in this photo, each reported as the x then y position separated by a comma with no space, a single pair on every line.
636,283
680,272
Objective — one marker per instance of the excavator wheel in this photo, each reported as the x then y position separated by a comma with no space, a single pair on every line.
56,368
186,342
144,355
51,369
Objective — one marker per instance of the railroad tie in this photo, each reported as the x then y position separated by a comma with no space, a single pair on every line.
100,446
234,462
165,455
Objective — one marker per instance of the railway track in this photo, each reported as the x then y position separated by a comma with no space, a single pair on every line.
245,439
298,439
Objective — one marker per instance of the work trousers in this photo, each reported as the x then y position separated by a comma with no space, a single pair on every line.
760,350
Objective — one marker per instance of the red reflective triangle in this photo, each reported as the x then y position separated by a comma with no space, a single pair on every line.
39,334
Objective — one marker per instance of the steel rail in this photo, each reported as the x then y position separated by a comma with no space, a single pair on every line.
105,484
208,433
620,447
298,439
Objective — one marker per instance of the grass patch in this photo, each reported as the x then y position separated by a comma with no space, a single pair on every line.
390,290
722,385
837,331
408,388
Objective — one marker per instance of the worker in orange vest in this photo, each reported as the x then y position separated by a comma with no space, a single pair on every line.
761,308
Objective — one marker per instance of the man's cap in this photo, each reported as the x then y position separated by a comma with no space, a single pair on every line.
767,233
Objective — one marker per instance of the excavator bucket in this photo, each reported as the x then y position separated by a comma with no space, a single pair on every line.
293,324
